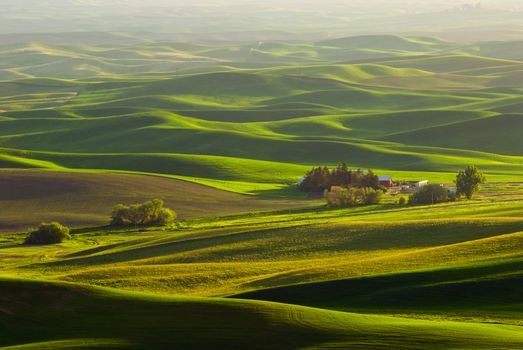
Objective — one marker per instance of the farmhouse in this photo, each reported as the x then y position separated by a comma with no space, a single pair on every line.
385,181
420,184
300,180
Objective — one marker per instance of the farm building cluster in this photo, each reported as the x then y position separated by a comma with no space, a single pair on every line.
319,179
406,187
401,187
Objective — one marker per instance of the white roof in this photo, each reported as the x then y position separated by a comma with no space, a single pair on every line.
384,178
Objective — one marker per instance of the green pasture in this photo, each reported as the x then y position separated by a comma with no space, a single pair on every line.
399,275
77,317
222,131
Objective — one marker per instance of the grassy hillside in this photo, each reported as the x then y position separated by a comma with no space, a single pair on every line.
191,323
262,113
239,253
222,131
409,276
86,199
475,290
499,130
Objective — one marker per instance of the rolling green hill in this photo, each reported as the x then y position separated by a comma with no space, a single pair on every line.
468,290
177,108
222,130
86,199
240,253
394,276
115,320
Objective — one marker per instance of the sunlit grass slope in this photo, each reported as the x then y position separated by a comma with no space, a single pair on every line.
239,259
478,290
84,127
259,114
86,199
240,253
41,314
438,276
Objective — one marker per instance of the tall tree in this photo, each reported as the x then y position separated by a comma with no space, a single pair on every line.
340,176
370,180
468,182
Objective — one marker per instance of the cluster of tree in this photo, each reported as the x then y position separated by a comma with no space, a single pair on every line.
321,178
339,196
48,233
148,213
468,183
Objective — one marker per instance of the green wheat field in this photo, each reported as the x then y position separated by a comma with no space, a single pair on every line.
222,127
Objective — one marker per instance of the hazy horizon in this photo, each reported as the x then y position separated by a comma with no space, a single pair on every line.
459,20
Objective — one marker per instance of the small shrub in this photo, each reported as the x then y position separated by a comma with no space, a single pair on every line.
48,233
403,201
430,194
148,213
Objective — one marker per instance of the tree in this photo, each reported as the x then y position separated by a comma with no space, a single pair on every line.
347,197
430,194
316,180
321,178
119,215
373,196
341,176
358,178
166,216
342,196
468,182
370,180
48,233
147,213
